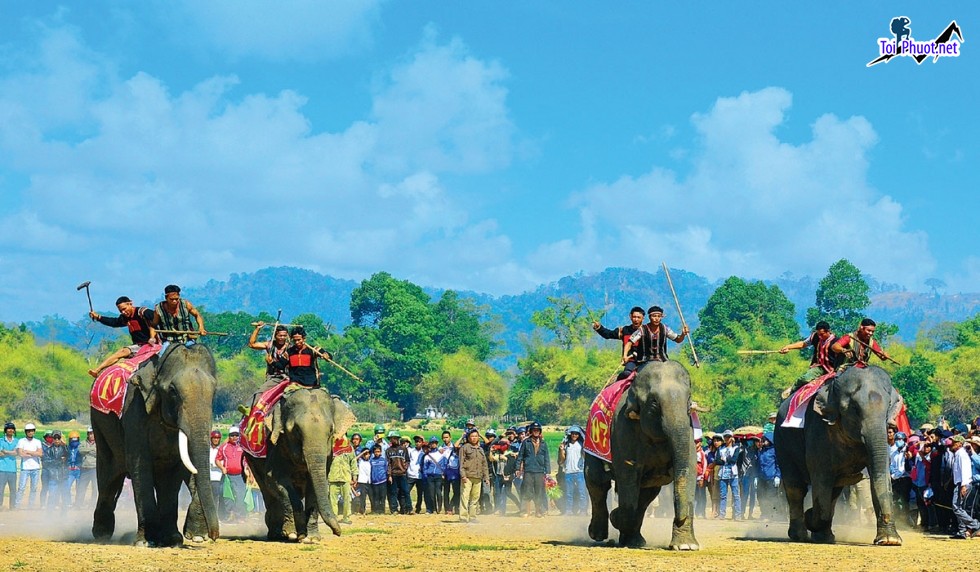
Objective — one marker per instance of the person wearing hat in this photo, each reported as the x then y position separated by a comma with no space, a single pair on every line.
399,500
901,479
966,525
770,425
533,463
623,334
138,320
54,473
86,477
474,474
30,451
728,459
74,466
433,473
822,361
451,484
8,465
570,457
379,438
342,478
230,459
769,478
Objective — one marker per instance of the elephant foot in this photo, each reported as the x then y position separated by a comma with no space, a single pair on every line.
334,526
292,537
824,537
683,539
197,539
143,543
102,533
798,532
632,541
888,536
599,529
310,539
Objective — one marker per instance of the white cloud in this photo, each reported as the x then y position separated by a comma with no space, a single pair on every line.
755,205
164,186
278,31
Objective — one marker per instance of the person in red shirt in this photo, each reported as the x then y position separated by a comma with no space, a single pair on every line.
858,346
230,459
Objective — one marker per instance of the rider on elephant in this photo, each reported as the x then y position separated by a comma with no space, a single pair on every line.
650,342
303,359
623,333
138,320
276,360
858,346
175,314
822,361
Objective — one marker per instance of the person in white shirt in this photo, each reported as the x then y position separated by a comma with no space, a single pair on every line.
571,459
30,452
967,526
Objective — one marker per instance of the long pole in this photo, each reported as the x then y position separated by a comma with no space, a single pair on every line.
192,332
335,364
677,302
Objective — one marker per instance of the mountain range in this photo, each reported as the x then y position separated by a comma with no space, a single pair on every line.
614,291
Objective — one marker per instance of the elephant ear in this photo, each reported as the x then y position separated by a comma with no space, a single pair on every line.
343,417
895,407
145,379
273,423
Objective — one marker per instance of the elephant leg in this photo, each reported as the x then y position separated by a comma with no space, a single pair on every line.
794,498
147,515
110,481
168,489
821,516
887,534
682,535
311,515
598,483
631,522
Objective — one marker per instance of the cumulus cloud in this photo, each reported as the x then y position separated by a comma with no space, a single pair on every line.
183,186
276,31
753,204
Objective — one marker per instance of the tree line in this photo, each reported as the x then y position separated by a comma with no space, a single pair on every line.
412,352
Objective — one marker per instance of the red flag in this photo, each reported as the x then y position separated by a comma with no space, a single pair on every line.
902,421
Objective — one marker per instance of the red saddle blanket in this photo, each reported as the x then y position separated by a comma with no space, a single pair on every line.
109,390
796,413
598,428
254,439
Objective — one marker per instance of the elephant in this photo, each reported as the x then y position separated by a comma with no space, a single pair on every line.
293,475
826,458
160,441
648,453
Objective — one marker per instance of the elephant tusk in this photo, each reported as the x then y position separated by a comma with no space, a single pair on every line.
184,456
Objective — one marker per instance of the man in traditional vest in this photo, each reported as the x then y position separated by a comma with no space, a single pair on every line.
648,343
857,347
174,314
821,363
138,320
623,333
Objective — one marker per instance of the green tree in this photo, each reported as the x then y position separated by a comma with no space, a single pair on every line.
558,385
238,326
464,385
393,324
565,319
44,383
842,297
459,326
750,307
914,381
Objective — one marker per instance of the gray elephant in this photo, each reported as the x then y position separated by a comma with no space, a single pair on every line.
293,475
160,441
826,458
647,454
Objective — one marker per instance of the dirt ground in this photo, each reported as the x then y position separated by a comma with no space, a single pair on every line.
430,543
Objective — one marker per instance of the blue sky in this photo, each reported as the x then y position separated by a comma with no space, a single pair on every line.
476,145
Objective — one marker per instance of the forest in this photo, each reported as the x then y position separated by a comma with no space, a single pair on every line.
409,351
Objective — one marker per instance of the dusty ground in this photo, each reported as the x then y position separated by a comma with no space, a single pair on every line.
430,543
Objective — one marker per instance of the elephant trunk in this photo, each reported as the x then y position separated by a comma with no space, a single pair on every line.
879,470
318,463
194,448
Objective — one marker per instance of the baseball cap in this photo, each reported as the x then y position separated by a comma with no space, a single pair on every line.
56,434
216,433
30,427
234,431
958,439
470,422
772,414
434,439
728,433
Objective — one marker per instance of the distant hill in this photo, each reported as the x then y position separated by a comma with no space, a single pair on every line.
614,290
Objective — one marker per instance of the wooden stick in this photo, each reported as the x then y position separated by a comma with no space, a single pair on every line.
886,356
276,324
757,352
335,364
670,283
191,333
